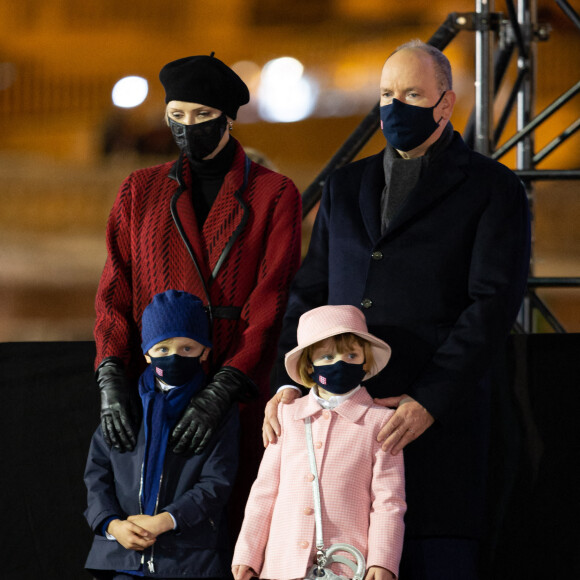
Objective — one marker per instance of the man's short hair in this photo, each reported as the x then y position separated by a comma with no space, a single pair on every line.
442,66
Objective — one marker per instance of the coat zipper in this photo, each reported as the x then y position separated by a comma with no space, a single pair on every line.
150,562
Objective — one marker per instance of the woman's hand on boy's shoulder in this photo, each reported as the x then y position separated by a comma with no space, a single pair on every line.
378,573
271,426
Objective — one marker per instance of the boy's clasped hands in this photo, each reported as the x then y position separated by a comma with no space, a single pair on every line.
140,531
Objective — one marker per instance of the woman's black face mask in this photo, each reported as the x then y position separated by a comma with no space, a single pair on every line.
199,140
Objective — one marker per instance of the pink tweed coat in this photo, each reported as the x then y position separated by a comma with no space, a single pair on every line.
361,487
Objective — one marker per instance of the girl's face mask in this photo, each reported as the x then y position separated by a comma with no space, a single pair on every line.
338,378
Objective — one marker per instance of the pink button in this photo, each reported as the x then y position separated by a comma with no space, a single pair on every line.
318,444
303,544
326,414
310,477
308,511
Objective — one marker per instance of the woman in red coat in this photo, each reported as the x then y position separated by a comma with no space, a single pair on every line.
216,225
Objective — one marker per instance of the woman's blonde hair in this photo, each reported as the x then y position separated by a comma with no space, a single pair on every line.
343,343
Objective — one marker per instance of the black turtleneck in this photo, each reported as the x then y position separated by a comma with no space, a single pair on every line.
207,179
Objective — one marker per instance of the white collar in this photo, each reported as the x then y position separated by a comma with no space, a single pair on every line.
164,387
335,400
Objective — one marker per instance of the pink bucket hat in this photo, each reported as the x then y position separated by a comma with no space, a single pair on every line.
326,321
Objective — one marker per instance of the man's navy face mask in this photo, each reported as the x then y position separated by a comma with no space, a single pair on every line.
199,140
338,378
407,126
176,370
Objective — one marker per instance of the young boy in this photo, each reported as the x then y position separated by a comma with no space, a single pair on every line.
361,487
156,513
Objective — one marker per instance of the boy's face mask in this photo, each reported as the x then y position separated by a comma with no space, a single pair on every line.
338,378
176,370
199,140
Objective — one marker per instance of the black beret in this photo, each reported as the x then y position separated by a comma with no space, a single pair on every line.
205,80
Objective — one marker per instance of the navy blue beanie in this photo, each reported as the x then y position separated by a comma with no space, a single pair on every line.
174,313
205,80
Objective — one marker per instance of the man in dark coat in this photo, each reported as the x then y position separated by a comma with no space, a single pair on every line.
431,240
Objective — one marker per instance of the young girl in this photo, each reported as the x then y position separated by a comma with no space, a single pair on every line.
361,487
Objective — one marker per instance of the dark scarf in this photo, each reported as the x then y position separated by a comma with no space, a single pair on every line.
402,175
160,413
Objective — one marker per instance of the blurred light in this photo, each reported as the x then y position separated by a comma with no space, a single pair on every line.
285,94
286,67
130,92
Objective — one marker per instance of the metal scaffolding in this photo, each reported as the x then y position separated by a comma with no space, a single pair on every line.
498,40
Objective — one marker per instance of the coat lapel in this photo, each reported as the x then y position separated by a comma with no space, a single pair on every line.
306,406
228,214
356,406
185,220
371,188
225,221
441,178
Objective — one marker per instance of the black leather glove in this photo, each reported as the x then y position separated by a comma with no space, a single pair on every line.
206,410
119,409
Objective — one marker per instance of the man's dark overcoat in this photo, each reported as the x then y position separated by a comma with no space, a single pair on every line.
442,285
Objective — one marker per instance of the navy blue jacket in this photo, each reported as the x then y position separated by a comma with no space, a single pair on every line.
442,286
194,490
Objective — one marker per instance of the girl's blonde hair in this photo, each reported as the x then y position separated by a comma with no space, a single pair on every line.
343,343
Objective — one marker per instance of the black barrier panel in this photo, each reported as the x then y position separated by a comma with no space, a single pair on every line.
49,410
535,475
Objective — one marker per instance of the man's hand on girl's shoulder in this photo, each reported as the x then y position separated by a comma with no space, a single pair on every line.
410,421
271,427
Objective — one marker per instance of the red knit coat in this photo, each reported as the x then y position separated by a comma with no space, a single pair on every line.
147,255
